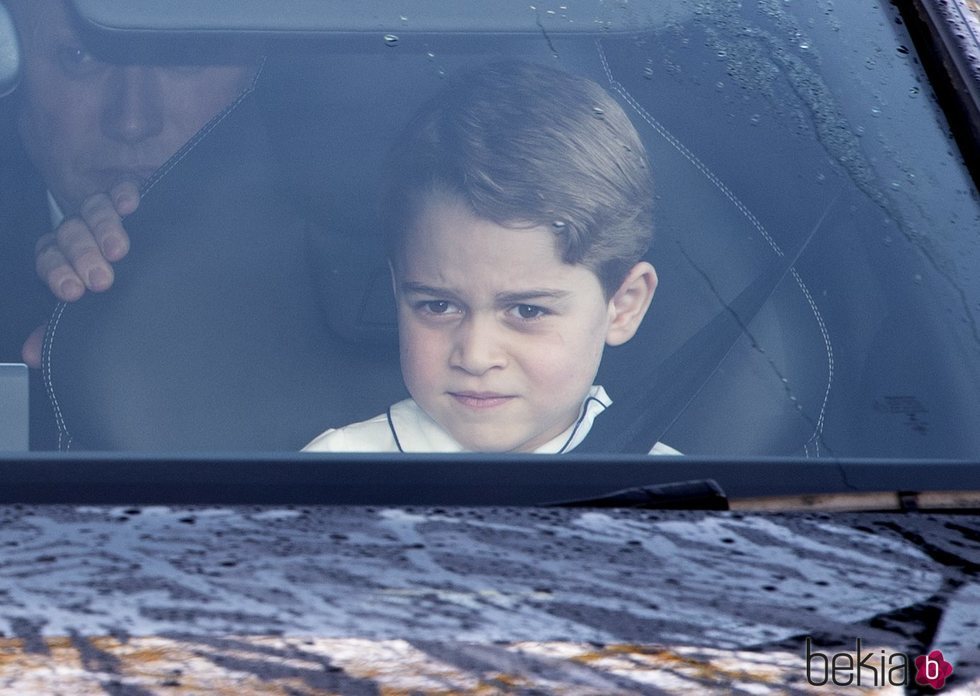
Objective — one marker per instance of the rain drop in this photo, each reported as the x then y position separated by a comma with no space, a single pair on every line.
754,119
895,186
804,45
648,72
913,91
391,40
558,224
821,177
719,85
917,277
598,112
875,111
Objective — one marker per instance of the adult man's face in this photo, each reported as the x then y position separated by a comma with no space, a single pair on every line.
88,125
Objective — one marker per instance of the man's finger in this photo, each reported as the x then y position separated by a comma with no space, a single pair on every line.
105,224
55,270
77,243
31,352
125,197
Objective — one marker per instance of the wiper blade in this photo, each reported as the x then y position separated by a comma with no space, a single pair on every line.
703,494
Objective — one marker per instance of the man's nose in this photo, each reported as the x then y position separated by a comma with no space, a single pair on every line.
134,104
478,346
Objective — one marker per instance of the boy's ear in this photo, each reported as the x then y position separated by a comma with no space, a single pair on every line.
630,303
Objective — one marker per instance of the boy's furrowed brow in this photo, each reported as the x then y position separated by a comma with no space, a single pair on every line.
532,294
422,289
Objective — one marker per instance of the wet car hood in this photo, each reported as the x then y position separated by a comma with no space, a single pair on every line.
374,598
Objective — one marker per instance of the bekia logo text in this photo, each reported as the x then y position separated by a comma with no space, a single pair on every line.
874,668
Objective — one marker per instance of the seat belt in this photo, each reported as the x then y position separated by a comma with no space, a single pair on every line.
634,423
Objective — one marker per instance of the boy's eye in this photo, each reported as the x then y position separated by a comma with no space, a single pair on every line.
436,307
526,311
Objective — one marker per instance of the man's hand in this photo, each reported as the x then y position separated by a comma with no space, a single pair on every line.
80,253
31,352
78,256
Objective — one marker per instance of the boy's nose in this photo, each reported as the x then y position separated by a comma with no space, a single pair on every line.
133,109
478,347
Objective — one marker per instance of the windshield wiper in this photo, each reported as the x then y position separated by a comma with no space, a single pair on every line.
703,494
706,494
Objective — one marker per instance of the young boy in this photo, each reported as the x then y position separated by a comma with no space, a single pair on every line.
517,210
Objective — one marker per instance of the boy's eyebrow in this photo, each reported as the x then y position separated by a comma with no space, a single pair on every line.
504,297
422,289
533,294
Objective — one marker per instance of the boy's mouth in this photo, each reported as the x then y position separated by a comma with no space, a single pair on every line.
480,400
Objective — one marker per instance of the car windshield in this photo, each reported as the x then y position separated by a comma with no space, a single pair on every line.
815,229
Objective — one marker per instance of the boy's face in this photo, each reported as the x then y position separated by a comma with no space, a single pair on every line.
500,339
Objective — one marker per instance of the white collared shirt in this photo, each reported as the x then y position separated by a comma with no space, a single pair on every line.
405,427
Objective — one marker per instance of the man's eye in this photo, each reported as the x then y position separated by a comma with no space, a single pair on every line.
75,60
526,311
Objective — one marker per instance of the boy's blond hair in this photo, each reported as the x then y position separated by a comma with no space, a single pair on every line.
526,145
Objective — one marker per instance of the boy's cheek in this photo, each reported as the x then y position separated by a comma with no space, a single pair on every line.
421,351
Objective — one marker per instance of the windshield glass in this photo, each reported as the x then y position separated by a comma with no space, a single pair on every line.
814,240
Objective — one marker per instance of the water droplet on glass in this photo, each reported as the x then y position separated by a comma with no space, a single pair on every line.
722,53
870,63
598,112
804,45
558,224
859,131
875,111
391,40
430,55
551,12
913,91
888,240
754,119
895,186
719,85
821,177
403,18
648,72
917,277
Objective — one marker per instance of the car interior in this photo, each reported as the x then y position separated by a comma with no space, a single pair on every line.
257,283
